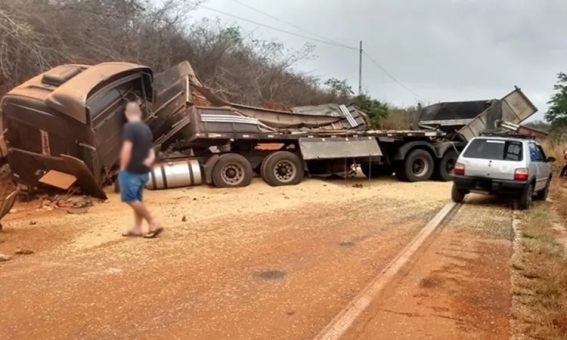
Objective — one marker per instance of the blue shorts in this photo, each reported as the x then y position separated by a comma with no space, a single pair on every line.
132,186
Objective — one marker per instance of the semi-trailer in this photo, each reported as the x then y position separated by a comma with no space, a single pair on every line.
63,127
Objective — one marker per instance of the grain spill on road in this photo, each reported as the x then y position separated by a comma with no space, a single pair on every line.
247,263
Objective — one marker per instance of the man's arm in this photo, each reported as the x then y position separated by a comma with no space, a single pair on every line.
149,161
125,154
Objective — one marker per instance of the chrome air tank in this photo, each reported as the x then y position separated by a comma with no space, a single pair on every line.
175,174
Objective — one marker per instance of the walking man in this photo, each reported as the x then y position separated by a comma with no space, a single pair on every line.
136,158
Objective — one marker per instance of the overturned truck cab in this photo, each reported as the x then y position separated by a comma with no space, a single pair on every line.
54,123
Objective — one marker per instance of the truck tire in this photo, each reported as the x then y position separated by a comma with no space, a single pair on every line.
282,168
542,195
458,195
446,165
526,197
417,166
376,170
232,170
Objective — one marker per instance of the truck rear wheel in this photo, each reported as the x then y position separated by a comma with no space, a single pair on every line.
417,166
232,170
282,168
446,165
373,170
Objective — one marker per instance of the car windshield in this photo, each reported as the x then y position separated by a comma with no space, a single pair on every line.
494,149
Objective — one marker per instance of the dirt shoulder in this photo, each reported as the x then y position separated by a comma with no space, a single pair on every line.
458,286
540,270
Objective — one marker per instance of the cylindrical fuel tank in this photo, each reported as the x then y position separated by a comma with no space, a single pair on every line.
175,174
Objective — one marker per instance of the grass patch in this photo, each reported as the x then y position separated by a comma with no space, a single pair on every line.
542,278
559,194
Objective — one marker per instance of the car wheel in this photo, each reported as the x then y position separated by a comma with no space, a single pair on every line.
282,168
458,195
526,198
232,170
418,166
446,165
542,195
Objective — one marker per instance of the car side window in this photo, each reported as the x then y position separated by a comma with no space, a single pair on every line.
513,151
535,153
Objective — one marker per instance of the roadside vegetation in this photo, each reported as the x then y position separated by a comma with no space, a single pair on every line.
540,265
36,35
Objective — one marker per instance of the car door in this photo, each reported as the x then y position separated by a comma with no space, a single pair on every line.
545,166
536,166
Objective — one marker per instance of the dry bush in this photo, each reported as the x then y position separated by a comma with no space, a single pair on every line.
36,35
556,148
399,119
542,285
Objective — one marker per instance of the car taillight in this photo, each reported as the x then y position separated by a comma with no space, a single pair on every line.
459,169
521,174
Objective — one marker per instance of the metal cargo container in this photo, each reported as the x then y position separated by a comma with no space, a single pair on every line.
515,107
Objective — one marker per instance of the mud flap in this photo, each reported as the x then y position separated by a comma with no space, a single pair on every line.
339,147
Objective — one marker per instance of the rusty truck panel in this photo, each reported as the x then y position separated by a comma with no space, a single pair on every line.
514,108
70,112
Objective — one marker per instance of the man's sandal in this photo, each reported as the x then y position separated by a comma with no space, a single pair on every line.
153,233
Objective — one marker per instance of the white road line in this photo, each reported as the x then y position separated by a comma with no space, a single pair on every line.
342,322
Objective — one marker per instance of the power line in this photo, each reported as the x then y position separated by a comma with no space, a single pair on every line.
290,24
391,76
280,30
322,40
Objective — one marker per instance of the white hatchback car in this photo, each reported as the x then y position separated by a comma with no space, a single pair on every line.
513,166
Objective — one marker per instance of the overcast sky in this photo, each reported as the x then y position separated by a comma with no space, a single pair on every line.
441,50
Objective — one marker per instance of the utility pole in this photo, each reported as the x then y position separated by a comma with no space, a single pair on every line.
360,69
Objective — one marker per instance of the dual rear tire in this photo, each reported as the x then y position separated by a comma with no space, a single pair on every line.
282,168
418,165
231,171
279,168
446,165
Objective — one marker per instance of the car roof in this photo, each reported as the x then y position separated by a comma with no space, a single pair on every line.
515,139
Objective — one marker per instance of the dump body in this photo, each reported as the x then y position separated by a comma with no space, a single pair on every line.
515,107
451,116
469,119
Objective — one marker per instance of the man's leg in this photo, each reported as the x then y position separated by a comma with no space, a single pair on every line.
138,219
136,230
141,210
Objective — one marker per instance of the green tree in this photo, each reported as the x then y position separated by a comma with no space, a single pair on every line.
339,89
557,112
375,109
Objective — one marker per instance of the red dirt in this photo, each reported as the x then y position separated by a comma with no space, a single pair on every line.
235,269
458,287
